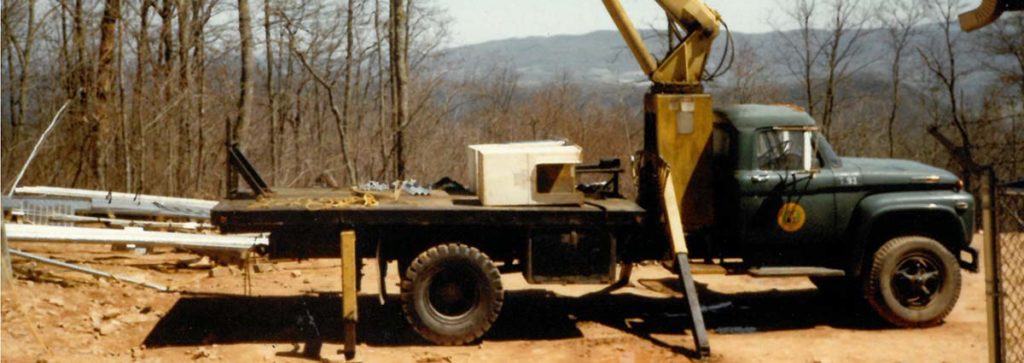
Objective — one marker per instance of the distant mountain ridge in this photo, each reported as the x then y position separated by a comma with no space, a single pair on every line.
602,56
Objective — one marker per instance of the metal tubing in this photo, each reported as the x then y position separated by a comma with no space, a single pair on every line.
87,270
118,197
34,233
39,143
700,333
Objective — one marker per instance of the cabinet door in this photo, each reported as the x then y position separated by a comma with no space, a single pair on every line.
786,203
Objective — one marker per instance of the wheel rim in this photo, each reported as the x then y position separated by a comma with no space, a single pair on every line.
917,280
452,292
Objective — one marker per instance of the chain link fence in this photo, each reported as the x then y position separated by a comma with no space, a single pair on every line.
1009,203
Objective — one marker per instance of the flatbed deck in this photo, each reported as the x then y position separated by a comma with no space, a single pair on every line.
289,208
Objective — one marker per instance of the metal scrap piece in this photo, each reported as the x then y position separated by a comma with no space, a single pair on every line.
374,186
413,187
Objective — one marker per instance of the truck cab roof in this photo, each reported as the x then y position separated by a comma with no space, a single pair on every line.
750,117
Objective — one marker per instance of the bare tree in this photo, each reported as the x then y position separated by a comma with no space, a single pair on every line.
271,96
845,27
22,49
346,99
804,43
899,22
238,131
1003,41
327,81
940,60
105,77
399,33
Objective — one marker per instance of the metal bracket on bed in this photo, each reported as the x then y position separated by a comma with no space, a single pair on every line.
238,164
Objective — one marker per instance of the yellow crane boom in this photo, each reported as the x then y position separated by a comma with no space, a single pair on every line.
987,13
685,63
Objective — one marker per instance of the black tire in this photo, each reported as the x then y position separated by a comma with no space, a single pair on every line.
452,294
913,282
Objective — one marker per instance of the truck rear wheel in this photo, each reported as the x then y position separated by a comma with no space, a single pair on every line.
913,282
451,294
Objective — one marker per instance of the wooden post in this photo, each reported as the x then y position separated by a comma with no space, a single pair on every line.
990,251
6,273
349,311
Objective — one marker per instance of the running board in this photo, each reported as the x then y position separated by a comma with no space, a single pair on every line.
795,271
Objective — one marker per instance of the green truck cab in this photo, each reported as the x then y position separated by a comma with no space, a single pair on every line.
895,231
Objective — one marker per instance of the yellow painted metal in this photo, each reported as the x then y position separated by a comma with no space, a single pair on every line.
685,64
349,293
683,124
987,13
631,36
675,225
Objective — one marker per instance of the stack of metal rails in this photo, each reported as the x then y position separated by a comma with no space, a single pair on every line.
137,221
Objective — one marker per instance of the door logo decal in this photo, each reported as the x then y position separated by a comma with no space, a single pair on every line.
792,217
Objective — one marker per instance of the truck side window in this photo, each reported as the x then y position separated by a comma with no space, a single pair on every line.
786,150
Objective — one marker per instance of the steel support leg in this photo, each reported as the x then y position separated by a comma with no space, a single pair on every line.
675,234
349,311
700,333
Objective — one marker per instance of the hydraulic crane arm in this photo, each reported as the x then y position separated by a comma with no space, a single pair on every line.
685,63
988,12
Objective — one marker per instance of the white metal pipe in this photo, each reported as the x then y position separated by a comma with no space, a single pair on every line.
97,194
131,223
36,233
87,270
39,143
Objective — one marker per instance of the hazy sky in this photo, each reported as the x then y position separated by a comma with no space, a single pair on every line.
476,21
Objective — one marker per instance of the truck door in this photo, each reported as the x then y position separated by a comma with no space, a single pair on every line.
786,205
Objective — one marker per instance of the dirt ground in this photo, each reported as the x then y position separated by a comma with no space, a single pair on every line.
60,316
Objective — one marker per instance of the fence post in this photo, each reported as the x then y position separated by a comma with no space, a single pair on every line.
6,273
991,252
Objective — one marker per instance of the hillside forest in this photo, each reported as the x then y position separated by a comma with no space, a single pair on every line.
358,90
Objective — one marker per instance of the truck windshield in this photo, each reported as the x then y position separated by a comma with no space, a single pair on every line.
787,150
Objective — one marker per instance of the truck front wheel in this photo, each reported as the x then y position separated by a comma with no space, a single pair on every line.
451,294
913,282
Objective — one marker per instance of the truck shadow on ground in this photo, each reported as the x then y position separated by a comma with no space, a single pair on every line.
533,314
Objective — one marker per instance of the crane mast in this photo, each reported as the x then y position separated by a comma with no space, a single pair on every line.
678,116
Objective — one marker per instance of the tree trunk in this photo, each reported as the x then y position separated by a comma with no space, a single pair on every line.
245,100
382,124
200,17
400,76
346,104
104,86
271,107
182,168
142,61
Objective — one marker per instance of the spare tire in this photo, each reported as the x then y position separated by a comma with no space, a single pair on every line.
913,282
452,294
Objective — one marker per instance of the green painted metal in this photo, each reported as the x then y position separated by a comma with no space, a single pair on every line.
752,117
840,198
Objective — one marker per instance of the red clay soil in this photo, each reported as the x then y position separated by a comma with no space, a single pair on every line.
61,316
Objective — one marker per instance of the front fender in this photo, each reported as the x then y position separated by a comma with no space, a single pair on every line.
952,212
